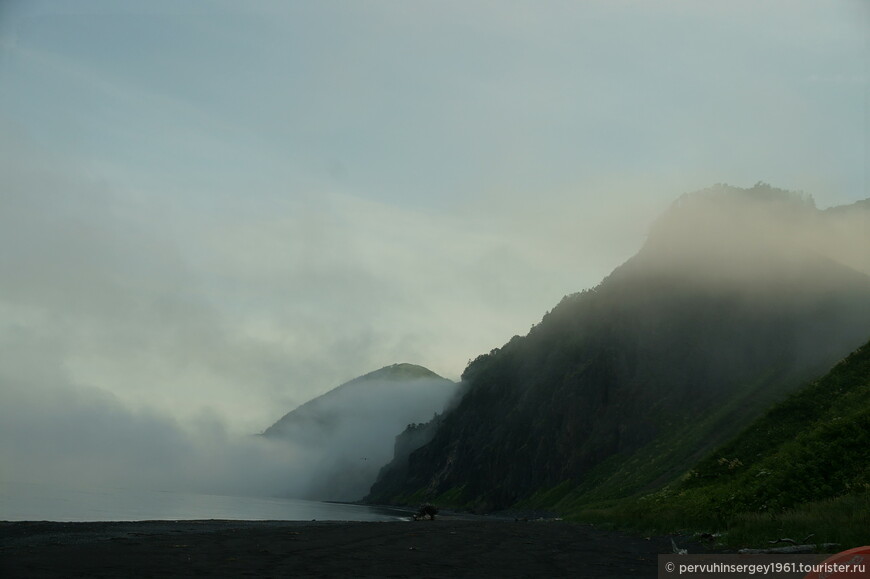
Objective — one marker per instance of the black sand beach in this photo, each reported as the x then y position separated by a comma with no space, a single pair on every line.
441,548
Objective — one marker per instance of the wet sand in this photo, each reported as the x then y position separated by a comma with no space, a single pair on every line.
442,548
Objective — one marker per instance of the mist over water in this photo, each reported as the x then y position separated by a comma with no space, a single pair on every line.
85,438
212,214
44,501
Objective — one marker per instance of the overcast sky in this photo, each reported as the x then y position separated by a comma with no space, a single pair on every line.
223,209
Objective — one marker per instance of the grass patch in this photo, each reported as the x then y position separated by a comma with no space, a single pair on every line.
844,520
801,469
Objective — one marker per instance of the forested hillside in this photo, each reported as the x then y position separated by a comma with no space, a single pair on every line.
801,470
732,304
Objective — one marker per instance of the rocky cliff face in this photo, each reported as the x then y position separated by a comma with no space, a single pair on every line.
736,299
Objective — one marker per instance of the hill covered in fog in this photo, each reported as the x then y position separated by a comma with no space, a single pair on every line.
351,429
738,298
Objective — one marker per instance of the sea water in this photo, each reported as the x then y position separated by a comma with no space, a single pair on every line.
47,502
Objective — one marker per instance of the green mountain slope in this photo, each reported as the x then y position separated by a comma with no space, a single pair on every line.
814,445
802,469
731,305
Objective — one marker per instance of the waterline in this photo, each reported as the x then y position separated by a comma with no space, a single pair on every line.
46,502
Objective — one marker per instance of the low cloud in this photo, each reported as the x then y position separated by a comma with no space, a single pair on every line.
80,437
145,340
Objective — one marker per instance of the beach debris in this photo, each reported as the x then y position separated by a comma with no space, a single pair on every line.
791,541
792,549
678,550
427,510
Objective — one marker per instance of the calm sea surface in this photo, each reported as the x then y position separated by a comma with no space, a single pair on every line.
43,502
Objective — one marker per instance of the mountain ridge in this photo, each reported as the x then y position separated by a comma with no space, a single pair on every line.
729,306
401,371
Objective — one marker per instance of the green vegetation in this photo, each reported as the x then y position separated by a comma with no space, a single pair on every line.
803,468
844,520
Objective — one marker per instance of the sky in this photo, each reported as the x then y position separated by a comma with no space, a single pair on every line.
211,212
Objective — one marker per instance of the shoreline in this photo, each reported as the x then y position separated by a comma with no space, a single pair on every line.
446,547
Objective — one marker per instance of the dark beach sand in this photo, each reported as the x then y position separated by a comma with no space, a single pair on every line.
442,548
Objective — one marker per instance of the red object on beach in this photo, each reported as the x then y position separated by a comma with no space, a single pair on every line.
850,559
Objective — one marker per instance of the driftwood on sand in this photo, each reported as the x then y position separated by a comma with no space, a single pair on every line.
792,549
792,541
